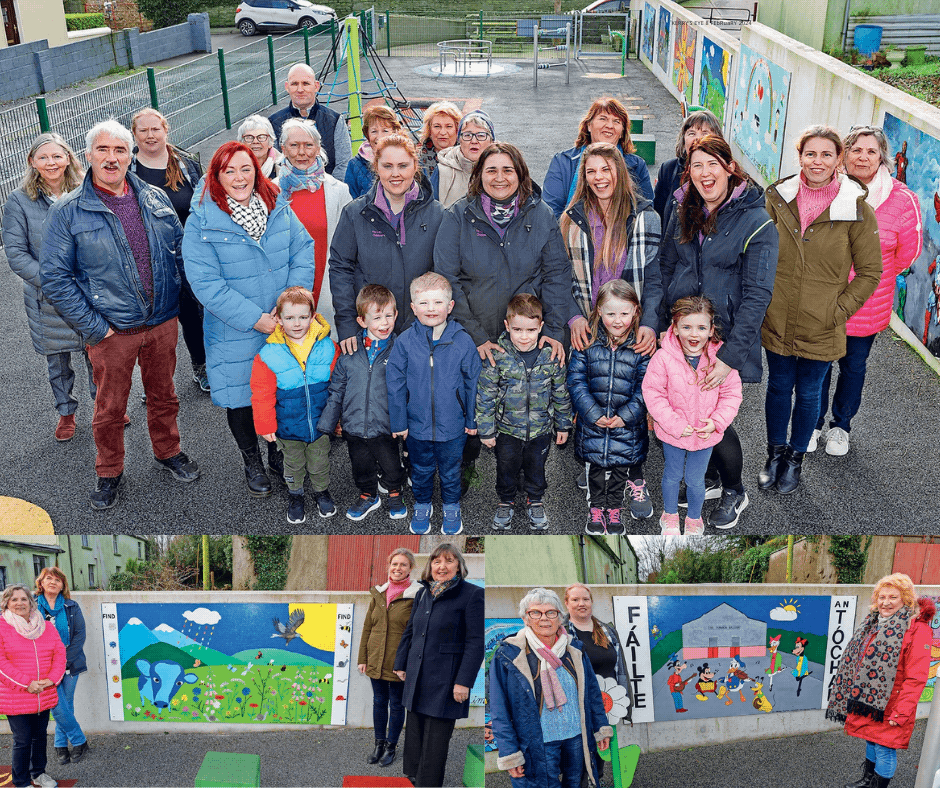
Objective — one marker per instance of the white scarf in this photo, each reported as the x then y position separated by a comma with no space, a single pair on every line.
880,188
31,629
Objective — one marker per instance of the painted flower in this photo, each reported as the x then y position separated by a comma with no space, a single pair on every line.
303,703
184,698
246,691
253,705
175,702
185,708
128,705
616,700
219,697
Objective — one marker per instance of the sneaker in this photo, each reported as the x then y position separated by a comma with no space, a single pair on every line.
105,494
296,513
614,526
325,505
814,441
396,506
728,512
421,519
361,508
200,377
44,781
503,517
182,468
694,526
669,524
467,474
837,442
582,479
65,429
597,522
641,506
538,520
712,491
453,523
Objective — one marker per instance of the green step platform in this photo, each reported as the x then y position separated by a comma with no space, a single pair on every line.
473,767
229,770
645,147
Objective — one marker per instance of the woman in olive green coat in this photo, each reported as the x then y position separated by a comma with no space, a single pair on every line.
385,622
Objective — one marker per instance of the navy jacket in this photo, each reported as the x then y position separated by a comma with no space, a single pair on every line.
75,651
328,123
667,182
442,646
359,176
88,271
558,187
609,382
359,395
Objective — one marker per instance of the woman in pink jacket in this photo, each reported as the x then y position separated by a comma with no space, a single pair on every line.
901,233
32,663
689,416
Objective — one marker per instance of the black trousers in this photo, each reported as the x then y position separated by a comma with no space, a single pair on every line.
241,421
606,491
513,455
427,740
727,461
367,456
190,316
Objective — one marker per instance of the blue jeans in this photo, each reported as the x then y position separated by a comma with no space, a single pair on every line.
29,746
567,758
885,759
442,456
848,398
694,464
387,711
67,729
786,374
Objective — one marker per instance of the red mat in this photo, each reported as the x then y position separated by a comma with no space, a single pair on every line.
6,778
352,781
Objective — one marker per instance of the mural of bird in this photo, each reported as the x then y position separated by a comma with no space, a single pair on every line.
259,654
288,632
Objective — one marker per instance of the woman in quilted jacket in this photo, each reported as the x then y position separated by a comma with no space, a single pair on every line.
900,232
32,663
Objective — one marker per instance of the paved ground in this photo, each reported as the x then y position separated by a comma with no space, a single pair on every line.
288,758
885,484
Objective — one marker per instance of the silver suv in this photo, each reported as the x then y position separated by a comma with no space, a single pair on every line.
252,16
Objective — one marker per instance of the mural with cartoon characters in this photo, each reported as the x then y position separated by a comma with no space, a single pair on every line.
238,663
714,78
927,694
705,656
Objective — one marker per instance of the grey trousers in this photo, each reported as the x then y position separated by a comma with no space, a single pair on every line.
62,379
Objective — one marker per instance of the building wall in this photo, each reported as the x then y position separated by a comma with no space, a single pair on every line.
40,20
813,564
17,560
76,559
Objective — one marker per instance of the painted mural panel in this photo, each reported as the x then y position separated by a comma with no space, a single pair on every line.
649,31
917,164
239,663
662,39
494,630
713,81
699,657
683,58
759,113
927,694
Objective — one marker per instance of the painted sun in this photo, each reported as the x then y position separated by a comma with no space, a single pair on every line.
790,605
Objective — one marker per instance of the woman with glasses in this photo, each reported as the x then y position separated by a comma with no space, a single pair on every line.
258,134
545,703
900,233
454,165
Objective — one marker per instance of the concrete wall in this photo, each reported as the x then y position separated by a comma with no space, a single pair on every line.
558,560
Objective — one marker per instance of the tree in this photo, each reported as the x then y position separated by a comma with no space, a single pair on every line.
164,13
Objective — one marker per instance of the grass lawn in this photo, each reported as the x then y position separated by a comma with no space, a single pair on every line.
922,82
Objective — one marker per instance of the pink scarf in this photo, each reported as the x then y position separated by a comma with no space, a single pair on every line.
550,659
395,590
31,629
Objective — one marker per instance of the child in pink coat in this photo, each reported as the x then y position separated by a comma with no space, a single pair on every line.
689,416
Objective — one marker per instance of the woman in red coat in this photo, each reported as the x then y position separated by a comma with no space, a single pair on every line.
882,675
32,663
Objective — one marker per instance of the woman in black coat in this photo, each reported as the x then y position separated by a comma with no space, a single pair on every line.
438,659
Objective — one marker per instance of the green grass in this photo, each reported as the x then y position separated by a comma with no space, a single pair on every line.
922,82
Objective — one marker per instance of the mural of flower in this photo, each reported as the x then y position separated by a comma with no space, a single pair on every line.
616,700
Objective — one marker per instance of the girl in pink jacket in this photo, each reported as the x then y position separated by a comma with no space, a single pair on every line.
689,415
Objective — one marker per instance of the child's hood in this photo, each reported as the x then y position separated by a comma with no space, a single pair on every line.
318,326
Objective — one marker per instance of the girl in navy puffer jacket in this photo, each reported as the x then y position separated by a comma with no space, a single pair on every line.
605,383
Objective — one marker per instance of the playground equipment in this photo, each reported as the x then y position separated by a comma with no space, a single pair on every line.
536,48
467,53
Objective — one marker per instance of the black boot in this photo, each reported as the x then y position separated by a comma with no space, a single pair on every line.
62,753
389,758
877,781
275,462
79,752
768,477
789,478
867,771
259,485
379,751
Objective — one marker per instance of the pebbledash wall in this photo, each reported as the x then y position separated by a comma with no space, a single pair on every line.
36,68
92,693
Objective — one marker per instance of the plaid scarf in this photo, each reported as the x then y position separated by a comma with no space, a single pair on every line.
293,179
253,218
438,588
866,674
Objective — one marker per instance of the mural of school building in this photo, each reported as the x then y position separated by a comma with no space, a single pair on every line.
724,632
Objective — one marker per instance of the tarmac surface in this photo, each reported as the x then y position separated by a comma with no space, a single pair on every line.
886,484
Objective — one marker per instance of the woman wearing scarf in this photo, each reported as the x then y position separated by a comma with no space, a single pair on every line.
438,658
316,197
438,133
242,247
56,606
545,702
882,675
455,165
378,121
900,231
385,623
32,663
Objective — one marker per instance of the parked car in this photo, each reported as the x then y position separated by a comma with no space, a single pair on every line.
252,16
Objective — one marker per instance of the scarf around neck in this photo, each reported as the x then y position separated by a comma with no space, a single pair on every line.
382,203
549,662
56,614
253,218
293,179
500,212
395,590
438,588
880,188
31,629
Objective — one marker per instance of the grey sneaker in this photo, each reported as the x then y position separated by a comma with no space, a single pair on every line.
538,520
503,518
729,510
638,499
814,441
837,442
44,781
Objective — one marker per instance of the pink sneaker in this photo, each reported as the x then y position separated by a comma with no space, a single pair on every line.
669,524
694,526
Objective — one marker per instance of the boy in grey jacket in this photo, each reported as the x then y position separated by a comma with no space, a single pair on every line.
359,394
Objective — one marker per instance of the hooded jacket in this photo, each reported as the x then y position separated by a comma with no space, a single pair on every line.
622,674
23,661
451,177
382,631
563,173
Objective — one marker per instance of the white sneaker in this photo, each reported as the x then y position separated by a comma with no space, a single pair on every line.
837,442
814,441
44,781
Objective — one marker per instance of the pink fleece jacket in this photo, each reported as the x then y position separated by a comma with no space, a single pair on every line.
672,391
22,661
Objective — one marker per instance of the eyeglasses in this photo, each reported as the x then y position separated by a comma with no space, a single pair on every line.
551,615
869,129
479,136
249,138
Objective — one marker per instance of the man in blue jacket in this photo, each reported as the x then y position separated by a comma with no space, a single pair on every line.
111,264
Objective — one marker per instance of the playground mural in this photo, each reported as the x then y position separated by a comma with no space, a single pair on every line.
916,158
649,31
239,663
759,112
713,81
697,657
662,39
494,630
683,59
927,694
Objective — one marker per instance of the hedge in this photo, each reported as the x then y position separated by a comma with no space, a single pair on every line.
84,21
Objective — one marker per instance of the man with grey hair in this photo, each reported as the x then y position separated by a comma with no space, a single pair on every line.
111,264
302,86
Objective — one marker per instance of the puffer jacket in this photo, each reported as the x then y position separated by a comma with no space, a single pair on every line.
522,402
238,279
734,267
75,661
813,297
668,180
359,176
487,270
359,394
366,250
23,225
382,631
23,661
672,391
900,230
88,272
562,177
286,398
606,381
451,177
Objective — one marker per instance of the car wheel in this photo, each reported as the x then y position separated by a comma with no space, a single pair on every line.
308,23
247,27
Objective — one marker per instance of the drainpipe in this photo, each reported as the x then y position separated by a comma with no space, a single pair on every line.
845,25
68,542
583,559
